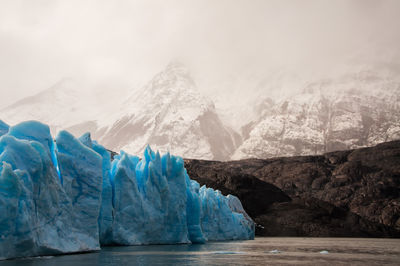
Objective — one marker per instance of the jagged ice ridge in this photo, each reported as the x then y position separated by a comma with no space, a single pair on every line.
69,196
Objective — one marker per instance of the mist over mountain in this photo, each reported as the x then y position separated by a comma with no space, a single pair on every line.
170,114
260,78
352,110
61,105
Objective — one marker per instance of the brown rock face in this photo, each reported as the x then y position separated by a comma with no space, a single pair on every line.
344,193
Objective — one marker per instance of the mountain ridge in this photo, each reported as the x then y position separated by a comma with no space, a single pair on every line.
353,110
170,114
327,116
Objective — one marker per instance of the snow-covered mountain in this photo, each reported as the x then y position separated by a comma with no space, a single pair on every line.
168,113
356,109
61,106
352,111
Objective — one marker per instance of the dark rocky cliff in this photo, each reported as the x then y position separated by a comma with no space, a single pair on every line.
344,193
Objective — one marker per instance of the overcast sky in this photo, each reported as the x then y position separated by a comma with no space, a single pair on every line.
228,44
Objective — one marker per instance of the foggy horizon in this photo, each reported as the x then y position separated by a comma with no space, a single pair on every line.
232,48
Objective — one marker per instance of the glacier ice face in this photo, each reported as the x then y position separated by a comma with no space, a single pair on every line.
105,219
127,205
105,216
218,221
68,196
36,212
82,176
16,211
193,210
149,200
33,130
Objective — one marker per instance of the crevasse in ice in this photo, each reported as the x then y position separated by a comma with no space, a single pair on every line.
68,196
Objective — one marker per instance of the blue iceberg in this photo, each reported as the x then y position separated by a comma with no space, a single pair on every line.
81,176
149,200
68,196
36,213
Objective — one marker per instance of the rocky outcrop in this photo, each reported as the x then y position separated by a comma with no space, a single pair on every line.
248,188
343,193
310,217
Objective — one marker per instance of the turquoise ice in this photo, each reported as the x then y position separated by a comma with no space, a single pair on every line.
36,213
68,196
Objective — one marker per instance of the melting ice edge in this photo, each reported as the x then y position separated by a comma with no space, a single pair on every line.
68,196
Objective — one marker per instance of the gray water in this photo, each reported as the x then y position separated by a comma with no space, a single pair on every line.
261,251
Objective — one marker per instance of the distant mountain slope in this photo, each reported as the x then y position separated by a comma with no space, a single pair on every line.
356,110
169,114
59,106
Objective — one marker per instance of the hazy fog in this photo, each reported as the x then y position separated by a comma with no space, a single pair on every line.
232,47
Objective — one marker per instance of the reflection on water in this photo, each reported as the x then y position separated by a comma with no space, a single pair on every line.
262,251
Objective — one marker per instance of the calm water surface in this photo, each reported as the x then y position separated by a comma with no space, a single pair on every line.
261,251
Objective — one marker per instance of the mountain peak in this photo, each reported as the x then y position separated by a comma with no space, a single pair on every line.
172,85
175,72
177,66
